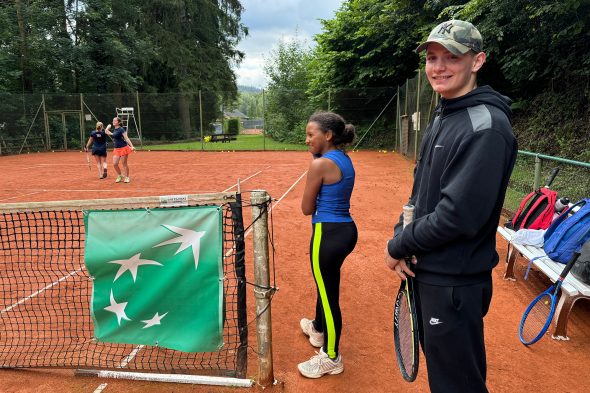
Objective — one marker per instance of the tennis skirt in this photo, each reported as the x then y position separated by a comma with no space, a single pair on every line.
122,151
99,152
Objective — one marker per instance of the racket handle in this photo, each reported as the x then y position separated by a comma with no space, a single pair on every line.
408,214
569,265
552,177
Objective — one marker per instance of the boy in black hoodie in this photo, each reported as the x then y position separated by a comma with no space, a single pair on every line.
465,161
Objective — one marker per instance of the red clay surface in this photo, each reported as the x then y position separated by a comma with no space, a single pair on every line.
368,287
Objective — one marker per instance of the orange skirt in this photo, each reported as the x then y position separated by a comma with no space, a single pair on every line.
122,151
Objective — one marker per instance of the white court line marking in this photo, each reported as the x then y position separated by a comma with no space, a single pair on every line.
279,200
249,177
100,388
40,291
20,196
130,357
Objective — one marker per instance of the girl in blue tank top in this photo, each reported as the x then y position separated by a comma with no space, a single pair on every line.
330,180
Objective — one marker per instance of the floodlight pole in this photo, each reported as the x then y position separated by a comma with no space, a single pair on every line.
262,290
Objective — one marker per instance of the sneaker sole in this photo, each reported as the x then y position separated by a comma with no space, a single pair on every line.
315,376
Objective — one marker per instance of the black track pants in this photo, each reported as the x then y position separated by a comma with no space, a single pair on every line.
331,242
452,335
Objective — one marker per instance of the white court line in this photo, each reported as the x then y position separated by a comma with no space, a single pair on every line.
40,291
20,196
249,177
130,357
279,200
100,388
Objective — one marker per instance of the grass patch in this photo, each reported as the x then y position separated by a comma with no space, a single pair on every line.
244,142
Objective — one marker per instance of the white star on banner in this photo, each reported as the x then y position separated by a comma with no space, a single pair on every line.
188,238
154,321
117,308
132,264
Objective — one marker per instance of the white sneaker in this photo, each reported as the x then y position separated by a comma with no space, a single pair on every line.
320,365
315,338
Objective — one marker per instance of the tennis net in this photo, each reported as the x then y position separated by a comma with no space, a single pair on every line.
45,291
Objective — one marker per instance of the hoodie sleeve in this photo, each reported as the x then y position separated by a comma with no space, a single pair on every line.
470,185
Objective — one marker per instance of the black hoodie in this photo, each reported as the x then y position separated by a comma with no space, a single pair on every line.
466,158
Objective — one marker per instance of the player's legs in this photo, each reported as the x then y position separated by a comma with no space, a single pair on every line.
116,160
103,161
125,169
98,164
452,335
330,244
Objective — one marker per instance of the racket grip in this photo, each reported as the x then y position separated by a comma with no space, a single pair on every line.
408,214
569,265
552,177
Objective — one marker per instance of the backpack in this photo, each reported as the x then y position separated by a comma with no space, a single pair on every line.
567,233
535,211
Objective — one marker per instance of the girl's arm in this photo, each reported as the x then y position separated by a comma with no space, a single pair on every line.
128,140
315,178
108,130
88,144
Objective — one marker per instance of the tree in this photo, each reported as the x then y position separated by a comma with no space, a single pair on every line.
532,45
287,105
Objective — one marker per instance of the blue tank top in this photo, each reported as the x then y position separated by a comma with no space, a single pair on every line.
333,200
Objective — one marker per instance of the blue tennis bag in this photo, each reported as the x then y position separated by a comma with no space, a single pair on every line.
567,234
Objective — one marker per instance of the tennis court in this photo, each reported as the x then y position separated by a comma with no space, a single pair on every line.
368,287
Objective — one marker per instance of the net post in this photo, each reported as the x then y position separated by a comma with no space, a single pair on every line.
262,292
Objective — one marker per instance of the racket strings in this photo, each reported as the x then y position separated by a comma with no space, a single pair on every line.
536,319
405,336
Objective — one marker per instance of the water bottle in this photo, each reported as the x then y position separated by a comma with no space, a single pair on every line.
560,205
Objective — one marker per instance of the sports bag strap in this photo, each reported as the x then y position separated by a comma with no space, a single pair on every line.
528,268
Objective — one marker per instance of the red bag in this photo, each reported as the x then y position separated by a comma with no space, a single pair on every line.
535,211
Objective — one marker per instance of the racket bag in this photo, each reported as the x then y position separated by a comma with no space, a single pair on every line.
568,232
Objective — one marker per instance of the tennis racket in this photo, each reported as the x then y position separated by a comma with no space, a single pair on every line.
405,321
539,314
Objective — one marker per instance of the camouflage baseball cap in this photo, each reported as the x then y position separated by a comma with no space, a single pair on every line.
457,36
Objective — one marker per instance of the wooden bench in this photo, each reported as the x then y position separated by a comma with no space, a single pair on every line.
223,138
572,289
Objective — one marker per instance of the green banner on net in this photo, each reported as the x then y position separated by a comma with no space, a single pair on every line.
157,276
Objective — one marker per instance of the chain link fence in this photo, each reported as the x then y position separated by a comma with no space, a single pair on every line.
62,122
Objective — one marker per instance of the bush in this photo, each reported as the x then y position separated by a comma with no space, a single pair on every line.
233,126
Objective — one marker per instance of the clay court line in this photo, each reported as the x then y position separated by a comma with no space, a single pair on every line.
32,295
279,200
20,196
249,177
100,388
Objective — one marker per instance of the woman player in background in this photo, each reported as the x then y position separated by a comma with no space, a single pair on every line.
98,141
123,147
329,185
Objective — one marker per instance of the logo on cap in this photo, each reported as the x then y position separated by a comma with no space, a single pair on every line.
445,28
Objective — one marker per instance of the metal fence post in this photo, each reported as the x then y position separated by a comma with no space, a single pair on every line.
201,121
262,290
538,165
